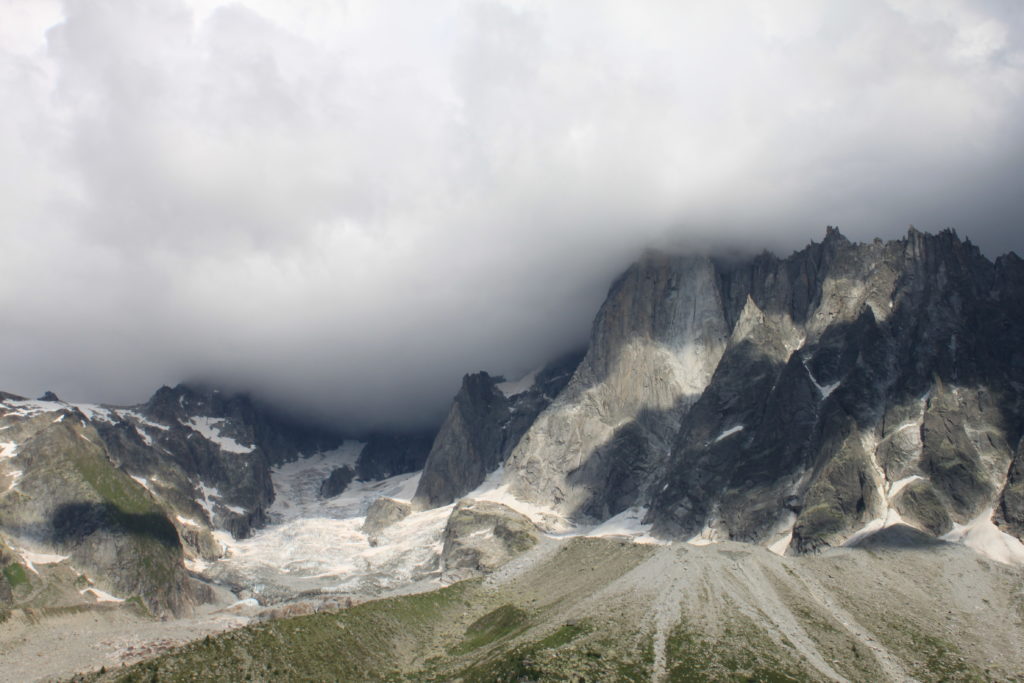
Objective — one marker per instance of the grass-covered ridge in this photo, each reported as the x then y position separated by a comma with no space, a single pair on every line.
367,642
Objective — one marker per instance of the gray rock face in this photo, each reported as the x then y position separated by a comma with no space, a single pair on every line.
482,536
468,445
337,482
387,455
1010,513
482,428
794,401
656,342
383,512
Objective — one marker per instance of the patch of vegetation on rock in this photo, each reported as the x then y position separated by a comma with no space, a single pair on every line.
491,627
15,575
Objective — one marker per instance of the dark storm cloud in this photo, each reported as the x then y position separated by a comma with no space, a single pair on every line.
349,205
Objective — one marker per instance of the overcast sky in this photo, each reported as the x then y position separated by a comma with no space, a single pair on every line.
347,205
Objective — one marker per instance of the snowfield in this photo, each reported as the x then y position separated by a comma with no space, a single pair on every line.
313,545
316,545
209,428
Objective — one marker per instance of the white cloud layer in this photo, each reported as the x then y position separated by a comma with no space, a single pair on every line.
350,204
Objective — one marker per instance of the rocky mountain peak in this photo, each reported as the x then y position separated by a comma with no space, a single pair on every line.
770,400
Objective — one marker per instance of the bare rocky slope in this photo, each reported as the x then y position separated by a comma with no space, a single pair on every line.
613,610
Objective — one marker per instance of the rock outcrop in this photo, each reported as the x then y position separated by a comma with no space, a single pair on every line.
481,536
468,445
382,513
386,454
487,419
337,482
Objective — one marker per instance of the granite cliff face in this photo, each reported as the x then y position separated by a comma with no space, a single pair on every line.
797,402
655,343
487,419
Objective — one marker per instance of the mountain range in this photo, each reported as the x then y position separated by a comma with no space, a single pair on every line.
846,396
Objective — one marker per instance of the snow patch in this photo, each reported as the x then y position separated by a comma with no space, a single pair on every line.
31,408
8,449
728,432
15,478
31,559
207,492
901,484
146,439
825,390
187,521
141,419
209,428
142,481
140,422
519,386
780,545
248,602
985,538
407,489
707,536
101,596
211,493
629,523
95,412
890,518
494,489
297,485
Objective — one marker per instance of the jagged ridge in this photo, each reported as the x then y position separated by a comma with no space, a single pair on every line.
800,398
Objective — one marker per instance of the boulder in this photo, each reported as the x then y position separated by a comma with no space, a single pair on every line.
337,482
481,536
384,512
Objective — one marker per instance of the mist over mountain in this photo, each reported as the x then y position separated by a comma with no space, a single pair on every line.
349,206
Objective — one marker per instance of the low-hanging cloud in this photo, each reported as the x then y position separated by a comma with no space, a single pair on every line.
345,206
